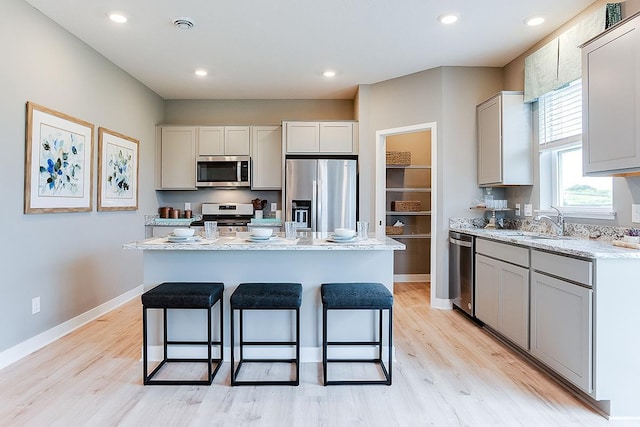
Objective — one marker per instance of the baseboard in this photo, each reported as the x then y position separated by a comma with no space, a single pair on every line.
25,348
442,304
411,277
307,354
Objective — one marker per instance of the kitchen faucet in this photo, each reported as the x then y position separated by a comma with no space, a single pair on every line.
558,225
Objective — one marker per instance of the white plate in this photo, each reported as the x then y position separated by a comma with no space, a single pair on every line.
252,237
334,237
262,239
341,240
187,239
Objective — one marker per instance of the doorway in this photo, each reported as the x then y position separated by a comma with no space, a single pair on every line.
406,198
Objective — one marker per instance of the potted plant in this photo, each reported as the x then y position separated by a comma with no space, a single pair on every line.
632,235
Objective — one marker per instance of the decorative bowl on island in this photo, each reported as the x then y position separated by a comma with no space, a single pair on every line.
344,232
183,232
262,232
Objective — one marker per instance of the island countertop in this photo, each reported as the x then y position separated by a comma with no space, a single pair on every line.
240,241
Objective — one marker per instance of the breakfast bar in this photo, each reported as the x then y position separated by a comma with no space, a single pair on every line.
311,259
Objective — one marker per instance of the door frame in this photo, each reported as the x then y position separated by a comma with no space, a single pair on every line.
380,187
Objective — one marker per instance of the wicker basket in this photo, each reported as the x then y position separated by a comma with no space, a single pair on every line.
398,158
394,230
406,206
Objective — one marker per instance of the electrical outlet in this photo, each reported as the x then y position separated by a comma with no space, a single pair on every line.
274,207
635,213
517,209
35,305
187,206
528,209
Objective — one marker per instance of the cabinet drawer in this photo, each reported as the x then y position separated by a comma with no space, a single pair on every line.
502,251
573,269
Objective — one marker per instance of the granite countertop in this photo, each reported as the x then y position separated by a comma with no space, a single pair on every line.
240,241
568,245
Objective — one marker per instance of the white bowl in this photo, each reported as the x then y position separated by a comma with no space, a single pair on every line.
344,232
262,232
183,232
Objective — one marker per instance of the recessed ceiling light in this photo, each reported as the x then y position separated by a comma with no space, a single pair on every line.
118,17
200,72
534,20
183,23
448,18
329,73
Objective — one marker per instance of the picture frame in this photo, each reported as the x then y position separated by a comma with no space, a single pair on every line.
118,157
58,162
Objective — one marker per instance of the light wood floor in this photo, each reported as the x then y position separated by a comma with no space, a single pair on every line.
448,373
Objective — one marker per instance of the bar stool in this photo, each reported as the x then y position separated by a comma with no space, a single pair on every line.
357,296
180,295
265,296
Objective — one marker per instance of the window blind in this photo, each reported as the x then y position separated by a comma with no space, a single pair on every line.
561,116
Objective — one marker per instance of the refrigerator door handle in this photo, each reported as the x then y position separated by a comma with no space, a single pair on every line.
314,205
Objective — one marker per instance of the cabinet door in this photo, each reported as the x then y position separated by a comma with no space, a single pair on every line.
489,116
211,141
178,158
237,140
336,137
561,328
303,137
266,156
487,290
514,304
611,102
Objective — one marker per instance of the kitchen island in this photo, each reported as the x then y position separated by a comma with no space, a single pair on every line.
310,260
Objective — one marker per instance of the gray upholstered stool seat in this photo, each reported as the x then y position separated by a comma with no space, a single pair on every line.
357,296
183,295
265,296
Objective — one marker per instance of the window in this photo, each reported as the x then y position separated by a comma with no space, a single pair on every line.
561,182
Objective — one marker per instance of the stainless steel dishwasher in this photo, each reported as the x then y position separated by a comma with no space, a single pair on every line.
461,271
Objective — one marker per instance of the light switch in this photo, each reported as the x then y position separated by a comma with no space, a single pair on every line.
528,209
635,213
517,209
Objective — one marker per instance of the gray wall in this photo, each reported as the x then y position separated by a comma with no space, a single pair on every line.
72,261
447,96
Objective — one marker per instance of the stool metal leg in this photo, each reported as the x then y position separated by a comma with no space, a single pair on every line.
377,342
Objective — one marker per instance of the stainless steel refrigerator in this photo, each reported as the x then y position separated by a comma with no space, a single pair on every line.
321,193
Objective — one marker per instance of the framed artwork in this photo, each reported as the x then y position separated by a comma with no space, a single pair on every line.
117,171
58,162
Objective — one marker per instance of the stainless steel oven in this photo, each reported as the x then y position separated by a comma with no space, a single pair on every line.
462,271
223,171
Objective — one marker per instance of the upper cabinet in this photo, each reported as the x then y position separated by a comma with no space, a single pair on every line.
175,158
611,101
224,141
320,137
504,141
266,158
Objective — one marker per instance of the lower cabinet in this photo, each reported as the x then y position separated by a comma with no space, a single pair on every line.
502,290
562,320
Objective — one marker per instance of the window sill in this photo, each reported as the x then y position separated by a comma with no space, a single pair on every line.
586,214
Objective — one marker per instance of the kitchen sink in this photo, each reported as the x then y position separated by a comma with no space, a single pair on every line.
545,237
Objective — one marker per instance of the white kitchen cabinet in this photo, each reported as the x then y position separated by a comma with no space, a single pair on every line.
176,158
320,137
502,289
562,316
504,141
266,158
611,101
224,140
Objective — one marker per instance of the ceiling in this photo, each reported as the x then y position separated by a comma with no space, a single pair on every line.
254,49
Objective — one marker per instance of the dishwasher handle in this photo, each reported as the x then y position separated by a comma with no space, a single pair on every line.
460,242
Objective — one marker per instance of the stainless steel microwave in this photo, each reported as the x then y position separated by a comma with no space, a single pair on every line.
223,171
